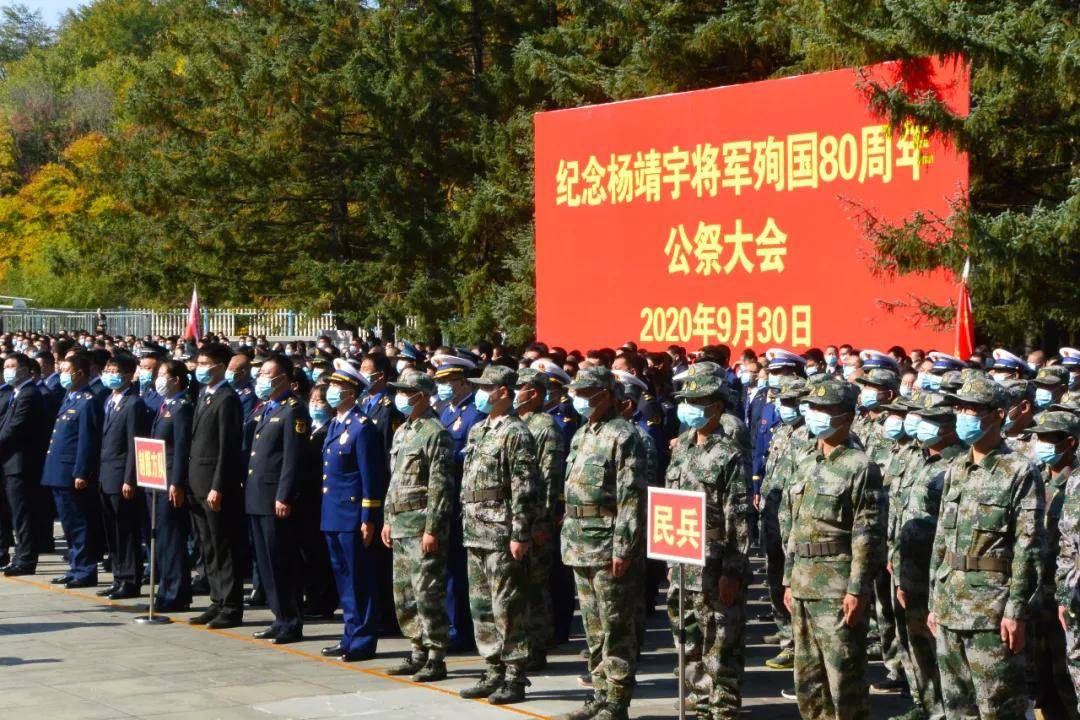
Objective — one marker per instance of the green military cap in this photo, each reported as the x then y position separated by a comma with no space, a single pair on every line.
411,379
952,380
793,387
701,387
1057,421
496,375
880,377
833,392
930,404
593,377
1052,376
981,391
1018,389
704,367
528,376
1070,402
899,404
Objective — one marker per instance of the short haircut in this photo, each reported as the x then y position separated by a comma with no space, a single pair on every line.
80,362
21,360
380,361
123,362
216,352
99,357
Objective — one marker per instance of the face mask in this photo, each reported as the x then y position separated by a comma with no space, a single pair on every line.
906,391
307,371
367,377
333,396
264,387
518,401
145,376
969,428
402,404
161,385
1033,367
868,398
933,382
288,353
774,381
894,427
401,365
444,391
911,425
1009,423
812,370
1047,453
254,372
169,348
583,407
746,378
202,375
66,381
483,401
819,424
1043,398
230,377
849,371
830,360
9,376
319,414
788,414
316,373
999,378
113,381
693,416
928,433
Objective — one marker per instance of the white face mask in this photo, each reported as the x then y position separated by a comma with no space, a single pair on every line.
401,365
161,385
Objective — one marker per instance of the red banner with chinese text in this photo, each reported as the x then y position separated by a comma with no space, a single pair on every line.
150,466
734,215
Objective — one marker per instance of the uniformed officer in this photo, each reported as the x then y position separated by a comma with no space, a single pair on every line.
150,357
985,563
1058,439
602,538
241,375
270,491
71,467
1008,366
320,594
558,403
499,499
1070,360
354,486
834,551
1050,382
22,453
418,506
941,363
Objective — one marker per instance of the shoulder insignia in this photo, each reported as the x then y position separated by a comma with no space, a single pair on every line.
246,391
292,401
361,418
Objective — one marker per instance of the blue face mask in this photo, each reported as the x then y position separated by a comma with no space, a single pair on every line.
113,381
333,396
933,382
254,373
445,391
319,414
9,376
788,414
1047,453
746,378
868,398
483,401
1043,398
230,377
307,371
583,407
1009,423
849,371
65,380
145,377
774,381
820,424
402,404
911,425
264,387
316,373
906,391
928,432
804,408
894,427
830,360
969,428
693,416
812,370
202,375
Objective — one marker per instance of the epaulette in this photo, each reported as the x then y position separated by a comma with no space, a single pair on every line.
245,390
292,401
385,400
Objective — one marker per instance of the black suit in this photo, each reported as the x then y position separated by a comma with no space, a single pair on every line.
22,455
319,591
125,419
6,535
172,423
215,464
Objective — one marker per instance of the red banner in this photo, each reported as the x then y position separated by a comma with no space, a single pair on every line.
735,215
150,464
676,526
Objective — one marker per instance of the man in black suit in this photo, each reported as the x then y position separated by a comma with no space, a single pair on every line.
23,431
271,489
214,475
126,418
7,393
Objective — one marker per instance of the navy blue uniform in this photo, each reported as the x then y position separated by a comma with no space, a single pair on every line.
151,397
172,423
319,592
281,431
74,451
458,419
248,401
354,487
126,418
22,453
561,579
760,438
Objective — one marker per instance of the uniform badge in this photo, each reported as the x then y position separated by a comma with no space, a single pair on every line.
344,438
457,424
167,413
301,427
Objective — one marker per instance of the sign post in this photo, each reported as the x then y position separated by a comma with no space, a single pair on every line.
150,474
676,533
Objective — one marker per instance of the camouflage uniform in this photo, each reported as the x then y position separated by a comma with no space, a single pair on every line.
1067,576
834,549
985,566
716,468
499,504
418,502
605,488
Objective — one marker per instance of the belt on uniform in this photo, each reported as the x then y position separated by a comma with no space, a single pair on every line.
712,534
821,549
971,563
589,511
407,505
476,496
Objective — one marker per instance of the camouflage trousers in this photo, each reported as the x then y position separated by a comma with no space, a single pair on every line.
541,632
774,567
497,587
830,662
918,654
723,653
1054,693
420,597
609,608
980,677
694,676
886,624
1072,650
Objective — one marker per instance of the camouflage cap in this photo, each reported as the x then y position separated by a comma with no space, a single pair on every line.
705,367
1052,376
496,375
952,380
411,379
1018,389
931,404
593,377
1069,403
529,376
880,377
981,391
1056,421
793,387
702,387
833,392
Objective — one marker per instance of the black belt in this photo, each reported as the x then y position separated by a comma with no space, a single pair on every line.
476,496
589,511
821,549
971,563
407,505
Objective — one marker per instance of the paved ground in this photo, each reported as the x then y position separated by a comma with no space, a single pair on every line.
68,654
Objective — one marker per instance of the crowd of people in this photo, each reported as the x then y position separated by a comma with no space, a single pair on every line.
911,504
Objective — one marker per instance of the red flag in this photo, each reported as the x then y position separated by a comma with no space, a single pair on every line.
965,323
191,332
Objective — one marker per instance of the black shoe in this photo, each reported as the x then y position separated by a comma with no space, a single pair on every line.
255,600
512,691
5,559
16,570
106,592
483,688
126,591
409,666
62,580
888,686
357,656
204,617
171,607
200,586
223,621
268,634
84,583
587,711
287,638
316,615
332,651
432,671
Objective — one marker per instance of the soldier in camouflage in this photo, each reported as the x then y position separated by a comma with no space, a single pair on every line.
1061,448
551,458
833,553
706,460
418,506
602,539
499,499
985,566
1020,416
1051,383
